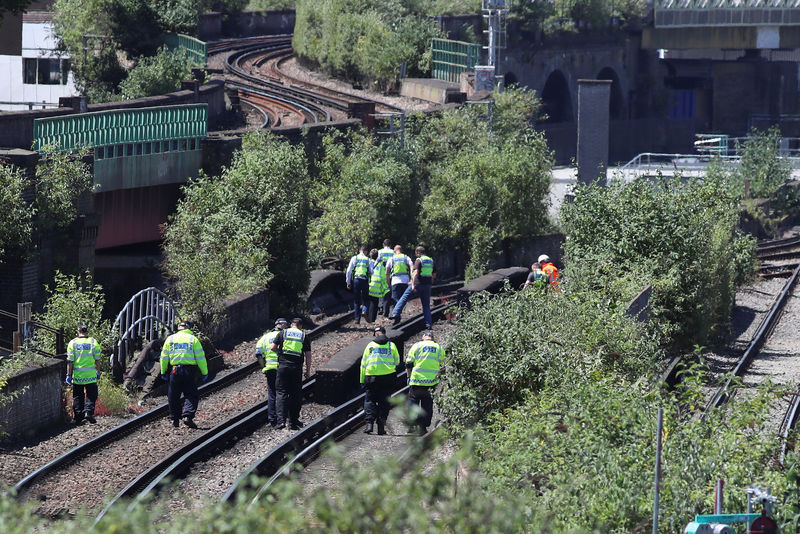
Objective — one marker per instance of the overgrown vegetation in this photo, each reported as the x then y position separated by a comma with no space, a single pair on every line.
680,237
554,17
366,40
241,231
156,75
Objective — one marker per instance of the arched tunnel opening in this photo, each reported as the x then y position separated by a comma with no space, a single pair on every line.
616,105
556,99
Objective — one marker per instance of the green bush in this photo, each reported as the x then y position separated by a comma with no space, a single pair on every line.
762,165
364,39
679,237
157,75
241,232
364,193
16,220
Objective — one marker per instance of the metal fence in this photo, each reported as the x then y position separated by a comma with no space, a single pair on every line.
195,49
451,58
703,13
121,126
142,318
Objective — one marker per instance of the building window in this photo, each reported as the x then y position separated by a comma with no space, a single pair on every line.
45,71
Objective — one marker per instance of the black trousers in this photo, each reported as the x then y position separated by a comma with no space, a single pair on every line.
183,381
81,393
376,400
421,396
289,384
272,376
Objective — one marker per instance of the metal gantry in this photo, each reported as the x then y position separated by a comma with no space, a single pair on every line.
495,12
141,318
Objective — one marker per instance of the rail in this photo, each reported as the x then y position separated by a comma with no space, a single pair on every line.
658,160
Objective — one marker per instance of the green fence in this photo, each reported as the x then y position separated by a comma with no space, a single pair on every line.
196,49
122,126
451,58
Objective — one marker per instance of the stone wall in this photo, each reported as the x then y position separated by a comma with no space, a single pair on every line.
214,26
247,314
38,405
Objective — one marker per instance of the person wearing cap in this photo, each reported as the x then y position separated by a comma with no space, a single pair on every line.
536,277
378,288
82,374
378,367
357,277
293,347
550,270
421,285
182,359
422,367
268,360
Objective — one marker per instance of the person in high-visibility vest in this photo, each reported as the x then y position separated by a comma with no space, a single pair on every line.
422,367
537,277
268,360
378,376
82,374
398,274
293,347
182,360
357,277
421,285
549,269
385,254
378,288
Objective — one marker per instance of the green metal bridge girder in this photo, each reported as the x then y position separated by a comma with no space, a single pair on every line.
451,58
104,128
195,49
705,13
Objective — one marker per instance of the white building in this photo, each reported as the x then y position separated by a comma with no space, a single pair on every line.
38,75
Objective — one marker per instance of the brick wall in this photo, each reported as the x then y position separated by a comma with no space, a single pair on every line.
593,123
38,405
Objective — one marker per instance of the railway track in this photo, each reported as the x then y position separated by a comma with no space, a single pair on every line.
235,431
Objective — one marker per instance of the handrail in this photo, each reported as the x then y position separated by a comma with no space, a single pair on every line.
143,312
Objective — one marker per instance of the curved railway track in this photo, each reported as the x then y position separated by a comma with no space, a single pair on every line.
215,441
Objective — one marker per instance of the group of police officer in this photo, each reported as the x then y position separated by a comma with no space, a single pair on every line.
388,276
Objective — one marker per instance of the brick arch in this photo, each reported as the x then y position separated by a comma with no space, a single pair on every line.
557,98
616,105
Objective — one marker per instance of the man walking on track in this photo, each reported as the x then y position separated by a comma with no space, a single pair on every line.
182,360
422,366
378,368
357,278
82,374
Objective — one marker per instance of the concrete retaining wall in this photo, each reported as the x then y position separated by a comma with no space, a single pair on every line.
38,406
215,26
246,315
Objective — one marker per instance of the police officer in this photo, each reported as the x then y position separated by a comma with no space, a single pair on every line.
292,346
399,270
421,285
183,358
378,288
82,374
357,277
269,363
385,254
422,367
378,366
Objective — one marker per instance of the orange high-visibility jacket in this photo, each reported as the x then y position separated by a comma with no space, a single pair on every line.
552,273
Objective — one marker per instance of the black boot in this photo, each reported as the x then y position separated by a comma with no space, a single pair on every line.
381,429
368,428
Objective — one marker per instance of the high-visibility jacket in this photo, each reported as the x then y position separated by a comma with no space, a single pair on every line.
183,348
379,360
293,339
426,266
425,358
378,286
385,254
263,348
361,268
400,264
83,352
552,273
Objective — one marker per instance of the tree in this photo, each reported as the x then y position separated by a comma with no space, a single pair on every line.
16,217
157,75
241,232
15,7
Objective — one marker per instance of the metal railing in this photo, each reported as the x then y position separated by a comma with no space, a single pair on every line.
451,58
195,49
26,328
660,161
705,13
140,319
120,126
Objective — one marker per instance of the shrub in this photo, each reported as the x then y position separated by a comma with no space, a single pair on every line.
680,237
157,75
16,221
762,165
241,232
